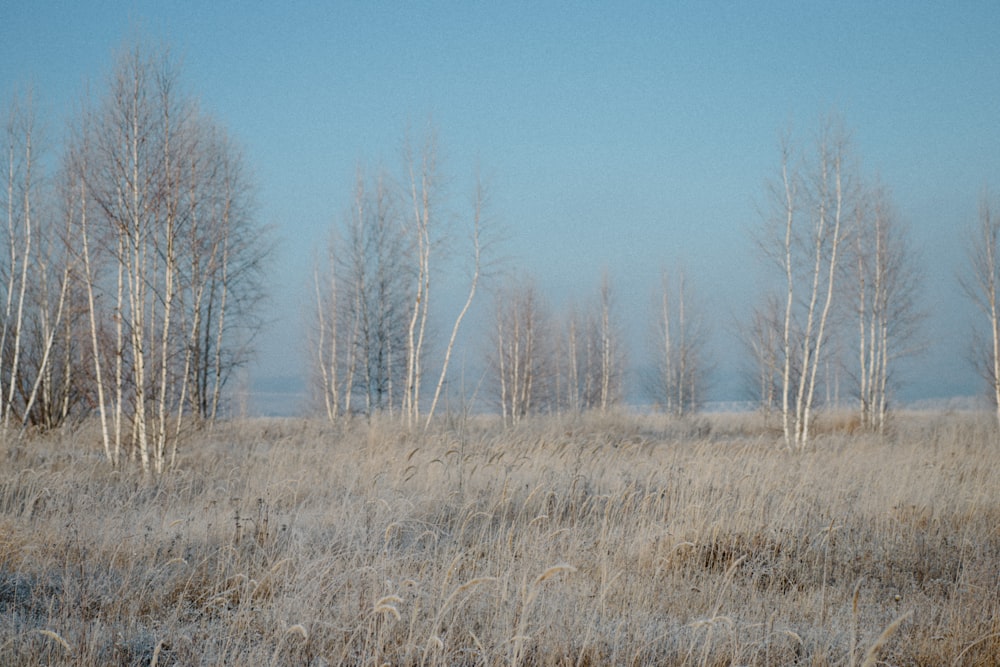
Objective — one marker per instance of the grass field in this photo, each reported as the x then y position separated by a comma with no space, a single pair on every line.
617,540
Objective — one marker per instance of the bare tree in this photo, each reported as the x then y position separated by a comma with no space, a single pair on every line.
982,285
47,367
169,251
763,340
132,181
479,201
368,298
76,200
377,296
225,257
325,344
591,358
612,354
571,381
20,196
887,309
370,327
679,378
34,281
422,171
805,238
518,361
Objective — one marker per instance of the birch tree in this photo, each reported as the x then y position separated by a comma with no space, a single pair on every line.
19,200
571,375
375,298
75,172
362,299
47,375
422,171
982,285
325,345
888,316
39,296
805,235
680,368
762,338
479,201
133,184
592,356
372,291
170,252
518,362
612,360
223,272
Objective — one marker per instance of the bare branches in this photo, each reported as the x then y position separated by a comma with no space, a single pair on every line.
806,222
20,165
679,376
982,285
162,225
37,295
520,358
834,229
592,358
373,296
477,250
423,190
887,311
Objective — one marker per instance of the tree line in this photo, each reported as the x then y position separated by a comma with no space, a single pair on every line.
842,308
369,343
134,268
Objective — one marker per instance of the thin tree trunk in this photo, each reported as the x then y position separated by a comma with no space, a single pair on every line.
786,375
50,338
668,369
606,342
220,328
327,367
465,308
25,261
574,365
502,371
683,391
830,280
119,349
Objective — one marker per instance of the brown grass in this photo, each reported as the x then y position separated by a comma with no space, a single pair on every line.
587,541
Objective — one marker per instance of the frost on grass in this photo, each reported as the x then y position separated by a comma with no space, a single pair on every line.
593,540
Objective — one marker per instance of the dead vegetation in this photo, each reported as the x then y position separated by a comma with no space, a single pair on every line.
587,541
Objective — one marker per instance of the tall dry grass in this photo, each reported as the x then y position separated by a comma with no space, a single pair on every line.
587,541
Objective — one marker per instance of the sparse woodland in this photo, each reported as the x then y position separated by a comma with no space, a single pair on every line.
542,521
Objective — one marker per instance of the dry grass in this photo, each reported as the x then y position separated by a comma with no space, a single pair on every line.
591,541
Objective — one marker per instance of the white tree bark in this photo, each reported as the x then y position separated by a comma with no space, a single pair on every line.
983,286
473,283
19,225
422,184
810,202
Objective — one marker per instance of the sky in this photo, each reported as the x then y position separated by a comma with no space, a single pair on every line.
625,136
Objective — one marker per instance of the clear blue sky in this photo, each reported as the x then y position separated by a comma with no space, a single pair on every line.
624,135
